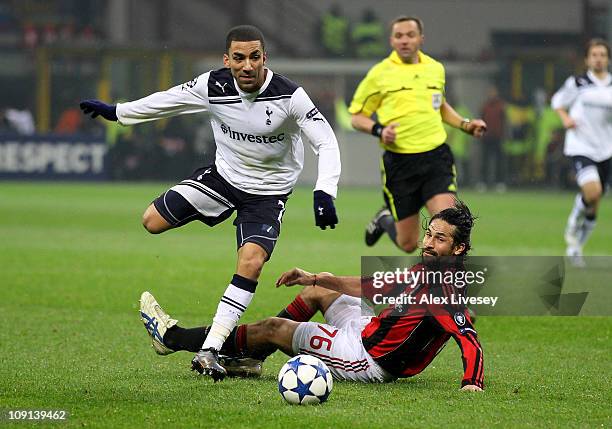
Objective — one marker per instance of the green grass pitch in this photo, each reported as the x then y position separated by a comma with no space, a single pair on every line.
74,260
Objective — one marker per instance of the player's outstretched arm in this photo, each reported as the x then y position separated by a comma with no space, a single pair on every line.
98,108
190,97
347,285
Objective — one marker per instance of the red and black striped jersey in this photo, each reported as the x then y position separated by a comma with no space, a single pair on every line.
405,337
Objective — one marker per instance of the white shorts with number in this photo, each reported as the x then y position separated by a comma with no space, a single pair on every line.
338,342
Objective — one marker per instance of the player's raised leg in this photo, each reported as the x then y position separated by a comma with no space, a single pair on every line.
153,221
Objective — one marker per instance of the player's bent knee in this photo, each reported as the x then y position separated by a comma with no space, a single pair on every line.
273,326
593,196
153,222
254,260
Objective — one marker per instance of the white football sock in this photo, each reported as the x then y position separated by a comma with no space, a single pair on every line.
234,302
585,231
574,222
577,214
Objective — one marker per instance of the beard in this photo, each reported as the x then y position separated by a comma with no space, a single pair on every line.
435,262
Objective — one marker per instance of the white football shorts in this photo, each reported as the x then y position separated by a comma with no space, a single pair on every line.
338,342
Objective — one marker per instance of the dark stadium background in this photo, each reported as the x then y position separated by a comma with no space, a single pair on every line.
74,257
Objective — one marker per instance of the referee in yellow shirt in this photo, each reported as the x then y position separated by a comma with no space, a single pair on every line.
406,92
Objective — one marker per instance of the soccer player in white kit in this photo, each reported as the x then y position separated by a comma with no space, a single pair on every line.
257,117
584,104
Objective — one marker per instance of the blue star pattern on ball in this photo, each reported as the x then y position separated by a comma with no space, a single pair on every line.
321,370
303,389
294,364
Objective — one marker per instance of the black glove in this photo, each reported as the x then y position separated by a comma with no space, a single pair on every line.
324,210
96,107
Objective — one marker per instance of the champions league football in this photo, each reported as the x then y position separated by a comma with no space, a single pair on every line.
305,380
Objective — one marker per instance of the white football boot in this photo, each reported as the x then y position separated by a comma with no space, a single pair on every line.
156,322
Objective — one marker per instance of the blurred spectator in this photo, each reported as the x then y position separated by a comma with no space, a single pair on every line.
30,35
334,31
87,34
540,100
49,34
369,36
493,163
521,120
125,158
18,120
70,121
178,153
459,142
66,32
204,142
548,153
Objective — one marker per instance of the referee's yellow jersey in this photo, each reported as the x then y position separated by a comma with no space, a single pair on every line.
410,94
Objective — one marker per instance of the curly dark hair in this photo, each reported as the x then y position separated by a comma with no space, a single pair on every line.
462,219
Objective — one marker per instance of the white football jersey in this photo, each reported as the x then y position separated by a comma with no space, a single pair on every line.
258,135
589,101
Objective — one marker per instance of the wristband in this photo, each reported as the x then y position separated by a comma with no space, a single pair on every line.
464,122
377,129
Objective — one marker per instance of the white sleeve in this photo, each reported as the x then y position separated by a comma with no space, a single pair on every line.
566,95
322,139
190,97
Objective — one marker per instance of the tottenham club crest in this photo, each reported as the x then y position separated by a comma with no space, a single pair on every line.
269,113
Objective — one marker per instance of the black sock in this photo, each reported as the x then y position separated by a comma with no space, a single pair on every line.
388,224
191,340
236,345
584,202
284,314
187,339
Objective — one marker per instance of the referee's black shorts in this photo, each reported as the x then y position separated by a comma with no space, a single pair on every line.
410,179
